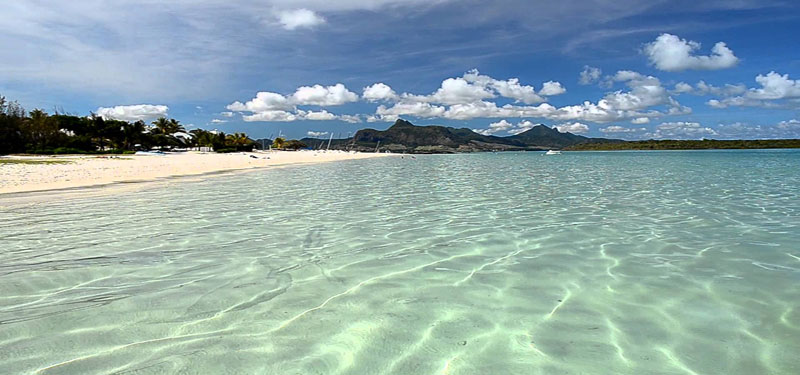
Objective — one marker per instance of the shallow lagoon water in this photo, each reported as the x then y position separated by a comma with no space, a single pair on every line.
512,263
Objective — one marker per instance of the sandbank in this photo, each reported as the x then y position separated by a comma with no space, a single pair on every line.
22,174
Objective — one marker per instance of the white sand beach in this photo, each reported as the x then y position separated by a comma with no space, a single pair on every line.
39,173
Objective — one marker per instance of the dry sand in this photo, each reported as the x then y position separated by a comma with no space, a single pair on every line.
84,171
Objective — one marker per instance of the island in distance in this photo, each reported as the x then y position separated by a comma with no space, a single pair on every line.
405,137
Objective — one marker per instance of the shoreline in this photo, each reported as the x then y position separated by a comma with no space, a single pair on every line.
25,174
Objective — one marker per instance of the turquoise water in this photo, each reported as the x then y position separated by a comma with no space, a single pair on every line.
509,263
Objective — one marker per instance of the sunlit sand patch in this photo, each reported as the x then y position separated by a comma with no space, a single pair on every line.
613,333
527,343
357,286
183,338
424,339
563,300
676,362
614,262
786,318
487,264
448,365
340,352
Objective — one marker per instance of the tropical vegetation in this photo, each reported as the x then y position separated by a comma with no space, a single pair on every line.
278,143
38,132
292,144
704,144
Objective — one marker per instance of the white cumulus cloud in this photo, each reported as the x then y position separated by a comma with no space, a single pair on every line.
521,127
551,88
620,129
775,86
417,109
703,88
353,119
589,75
671,53
272,115
378,92
317,95
458,91
271,106
320,95
682,87
495,127
681,130
471,96
264,101
476,110
790,124
645,92
508,127
575,127
322,115
776,91
782,130
136,112
298,18
316,134
510,88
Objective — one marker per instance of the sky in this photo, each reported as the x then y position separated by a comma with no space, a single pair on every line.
671,69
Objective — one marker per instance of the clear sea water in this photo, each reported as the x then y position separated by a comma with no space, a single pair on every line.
511,263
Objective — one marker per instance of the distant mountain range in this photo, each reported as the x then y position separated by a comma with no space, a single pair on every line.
404,136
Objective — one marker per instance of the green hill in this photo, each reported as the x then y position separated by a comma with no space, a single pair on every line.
404,136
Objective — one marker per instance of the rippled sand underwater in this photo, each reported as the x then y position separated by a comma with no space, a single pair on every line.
510,263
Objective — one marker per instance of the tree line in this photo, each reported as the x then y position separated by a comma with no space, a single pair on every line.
705,144
38,132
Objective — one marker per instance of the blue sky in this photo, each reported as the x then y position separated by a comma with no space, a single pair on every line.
664,69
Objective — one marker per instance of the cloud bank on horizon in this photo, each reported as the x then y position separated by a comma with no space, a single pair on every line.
627,70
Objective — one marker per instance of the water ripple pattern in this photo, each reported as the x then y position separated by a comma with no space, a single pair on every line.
510,263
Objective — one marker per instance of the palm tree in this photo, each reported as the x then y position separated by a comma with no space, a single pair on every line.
12,117
167,126
175,126
161,126
132,133
104,132
278,142
203,138
41,128
164,129
238,139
